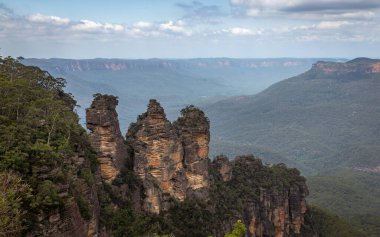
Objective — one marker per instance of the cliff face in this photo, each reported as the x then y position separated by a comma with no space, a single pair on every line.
171,160
158,156
272,210
357,67
105,137
194,132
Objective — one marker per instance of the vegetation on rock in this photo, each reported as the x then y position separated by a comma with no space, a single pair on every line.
40,137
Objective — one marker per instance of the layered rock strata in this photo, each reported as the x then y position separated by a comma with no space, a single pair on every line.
170,159
105,136
194,132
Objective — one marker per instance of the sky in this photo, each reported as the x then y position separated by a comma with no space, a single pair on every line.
190,29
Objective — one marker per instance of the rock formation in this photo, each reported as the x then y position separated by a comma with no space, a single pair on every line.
170,159
277,211
171,162
105,137
358,67
194,132
158,156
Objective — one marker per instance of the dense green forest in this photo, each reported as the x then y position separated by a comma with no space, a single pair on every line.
39,136
350,193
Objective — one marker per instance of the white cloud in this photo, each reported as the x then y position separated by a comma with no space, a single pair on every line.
113,27
241,31
39,18
358,14
237,31
331,25
92,26
177,27
155,29
143,24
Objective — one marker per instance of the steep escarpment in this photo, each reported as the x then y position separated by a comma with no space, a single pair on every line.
105,137
171,160
354,69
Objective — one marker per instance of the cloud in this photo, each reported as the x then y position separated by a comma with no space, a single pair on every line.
5,12
344,8
241,31
48,19
60,29
197,11
238,31
331,25
177,27
156,29
92,26
143,24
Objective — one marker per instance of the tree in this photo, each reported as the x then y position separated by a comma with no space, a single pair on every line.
12,191
238,231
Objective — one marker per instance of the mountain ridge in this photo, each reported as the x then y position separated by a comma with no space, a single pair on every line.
302,107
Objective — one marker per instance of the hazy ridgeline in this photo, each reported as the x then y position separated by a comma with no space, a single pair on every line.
174,82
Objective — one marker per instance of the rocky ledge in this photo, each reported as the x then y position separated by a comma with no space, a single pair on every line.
351,69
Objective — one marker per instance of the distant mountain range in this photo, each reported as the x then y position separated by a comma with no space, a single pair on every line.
325,118
174,82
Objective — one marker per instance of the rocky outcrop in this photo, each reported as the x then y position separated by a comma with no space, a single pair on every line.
194,131
170,159
357,67
158,156
277,210
105,136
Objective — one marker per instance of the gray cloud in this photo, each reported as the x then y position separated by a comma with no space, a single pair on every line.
305,7
333,6
5,12
197,11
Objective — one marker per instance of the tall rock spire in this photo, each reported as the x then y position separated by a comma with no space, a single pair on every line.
106,139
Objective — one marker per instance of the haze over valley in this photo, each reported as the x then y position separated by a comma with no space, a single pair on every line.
175,83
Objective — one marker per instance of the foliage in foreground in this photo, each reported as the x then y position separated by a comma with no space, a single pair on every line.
238,231
12,191
39,136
